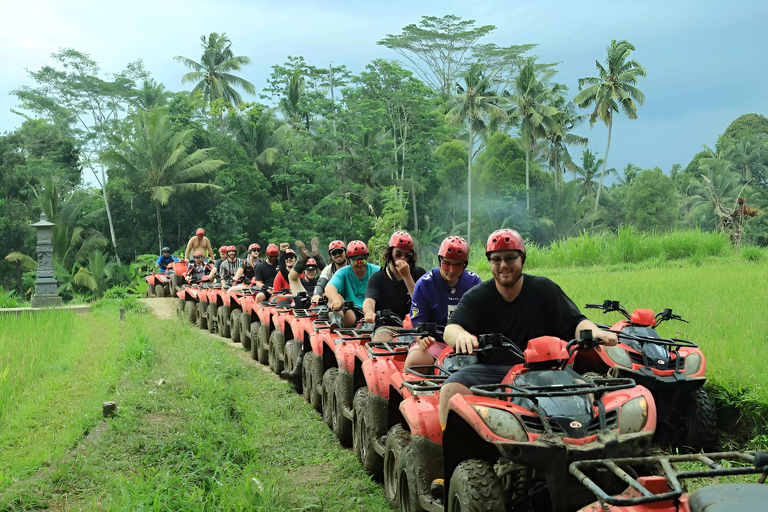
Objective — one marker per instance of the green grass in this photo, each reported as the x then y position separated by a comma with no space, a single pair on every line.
198,429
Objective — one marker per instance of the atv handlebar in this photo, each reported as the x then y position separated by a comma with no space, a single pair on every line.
596,387
488,342
667,342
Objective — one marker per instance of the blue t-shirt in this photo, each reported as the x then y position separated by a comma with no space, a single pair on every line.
163,262
350,286
434,301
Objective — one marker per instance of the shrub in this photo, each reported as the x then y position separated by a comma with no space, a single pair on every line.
752,253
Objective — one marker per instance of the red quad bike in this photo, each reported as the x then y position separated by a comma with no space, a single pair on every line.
207,307
302,325
229,311
188,296
318,356
351,374
261,326
666,493
240,315
178,271
249,319
159,285
509,445
282,328
673,369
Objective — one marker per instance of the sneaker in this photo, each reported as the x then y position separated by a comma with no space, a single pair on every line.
315,246
383,440
437,490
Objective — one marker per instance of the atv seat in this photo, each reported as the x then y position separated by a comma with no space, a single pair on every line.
729,497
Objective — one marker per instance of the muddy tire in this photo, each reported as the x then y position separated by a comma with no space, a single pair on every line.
263,344
181,306
159,290
191,312
342,399
202,311
172,285
277,351
234,325
397,439
292,353
245,329
312,376
701,422
211,316
475,488
370,423
255,340
223,321
150,291
407,489
329,402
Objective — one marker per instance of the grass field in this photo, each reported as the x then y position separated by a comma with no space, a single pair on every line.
199,428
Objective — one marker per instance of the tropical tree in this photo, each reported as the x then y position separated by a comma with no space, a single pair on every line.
151,94
158,159
475,103
213,72
612,90
558,138
587,172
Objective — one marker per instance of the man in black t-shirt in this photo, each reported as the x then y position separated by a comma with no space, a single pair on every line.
519,306
391,287
266,271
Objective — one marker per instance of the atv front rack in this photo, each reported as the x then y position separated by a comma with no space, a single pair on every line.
430,378
596,386
387,348
757,463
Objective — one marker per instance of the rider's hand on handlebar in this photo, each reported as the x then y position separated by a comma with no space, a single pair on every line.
609,338
336,304
426,341
315,299
370,317
466,343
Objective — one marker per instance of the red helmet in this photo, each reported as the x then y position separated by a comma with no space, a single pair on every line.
401,240
505,240
454,248
310,263
290,251
336,244
357,248
231,248
254,246
223,249
200,232
272,250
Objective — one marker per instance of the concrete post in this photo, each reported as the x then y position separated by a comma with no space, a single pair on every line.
45,286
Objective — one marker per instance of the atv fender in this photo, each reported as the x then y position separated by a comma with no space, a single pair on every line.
420,412
377,373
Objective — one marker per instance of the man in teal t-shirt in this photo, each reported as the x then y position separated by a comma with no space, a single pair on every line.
350,283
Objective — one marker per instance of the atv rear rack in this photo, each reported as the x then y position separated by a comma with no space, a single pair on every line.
758,463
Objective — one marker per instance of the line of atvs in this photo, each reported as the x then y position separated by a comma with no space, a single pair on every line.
573,427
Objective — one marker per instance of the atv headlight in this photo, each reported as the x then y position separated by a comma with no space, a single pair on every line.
619,356
692,363
502,423
634,415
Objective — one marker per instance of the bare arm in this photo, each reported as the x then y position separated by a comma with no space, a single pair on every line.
189,248
335,300
609,338
369,310
295,283
461,341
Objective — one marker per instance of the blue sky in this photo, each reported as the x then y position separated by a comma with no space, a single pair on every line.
705,59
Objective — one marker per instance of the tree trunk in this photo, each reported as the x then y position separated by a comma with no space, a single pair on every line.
415,212
159,228
109,213
527,180
469,186
605,165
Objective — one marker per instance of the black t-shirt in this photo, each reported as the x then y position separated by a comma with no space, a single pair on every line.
249,270
265,272
541,309
389,293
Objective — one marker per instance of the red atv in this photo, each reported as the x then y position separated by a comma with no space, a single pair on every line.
666,494
178,271
188,297
318,357
509,444
673,369
159,285
302,325
282,328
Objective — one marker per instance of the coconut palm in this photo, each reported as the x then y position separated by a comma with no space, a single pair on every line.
151,94
475,103
612,90
558,139
213,72
587,172
157,158
532,108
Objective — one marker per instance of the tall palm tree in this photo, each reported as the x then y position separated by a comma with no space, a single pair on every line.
558,138
157,158
532,108
590,165
150,95
612,90
475,103
213,72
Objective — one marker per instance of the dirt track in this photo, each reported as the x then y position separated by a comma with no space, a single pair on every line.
162,308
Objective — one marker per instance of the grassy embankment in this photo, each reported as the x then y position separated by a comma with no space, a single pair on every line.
723,293
198,429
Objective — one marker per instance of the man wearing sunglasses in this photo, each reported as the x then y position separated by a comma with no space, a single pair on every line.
285,263
197,269
247,270
436,296
519,306
165,259
350,283
392,286
338,253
